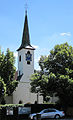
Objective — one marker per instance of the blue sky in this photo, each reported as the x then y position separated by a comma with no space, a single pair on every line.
50,23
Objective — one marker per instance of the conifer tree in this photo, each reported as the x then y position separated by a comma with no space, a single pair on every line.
2,89
7,71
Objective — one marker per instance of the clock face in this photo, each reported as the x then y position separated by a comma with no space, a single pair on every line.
28,56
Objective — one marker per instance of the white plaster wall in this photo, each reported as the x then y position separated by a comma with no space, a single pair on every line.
23,67
20,64
22,92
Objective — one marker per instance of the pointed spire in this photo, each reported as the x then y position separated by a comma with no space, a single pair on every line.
25,37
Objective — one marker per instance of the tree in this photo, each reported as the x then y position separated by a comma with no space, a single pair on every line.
39,80
1,61
7,71
42,80
60,63
57,68
41,62
64,89
2,89
60,59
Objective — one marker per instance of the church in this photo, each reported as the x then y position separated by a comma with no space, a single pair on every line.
25,70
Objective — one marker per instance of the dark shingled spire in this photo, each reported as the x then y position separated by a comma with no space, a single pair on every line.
25,38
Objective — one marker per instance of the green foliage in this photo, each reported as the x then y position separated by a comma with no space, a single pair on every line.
7,71
41,62
40,80
2,89
34,81
56,74
64,89
60,58
11,105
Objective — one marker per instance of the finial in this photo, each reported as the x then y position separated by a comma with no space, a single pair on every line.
26,6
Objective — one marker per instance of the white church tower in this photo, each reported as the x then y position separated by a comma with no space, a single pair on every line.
26,54
25,68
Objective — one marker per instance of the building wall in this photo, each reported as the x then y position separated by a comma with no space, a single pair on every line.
23,93
23,67
9,99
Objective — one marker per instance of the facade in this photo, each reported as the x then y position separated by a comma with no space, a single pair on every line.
25,69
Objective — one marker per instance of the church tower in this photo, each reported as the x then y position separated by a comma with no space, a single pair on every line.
25,54
25,68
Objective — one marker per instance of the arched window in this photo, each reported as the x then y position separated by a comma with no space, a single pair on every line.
28,52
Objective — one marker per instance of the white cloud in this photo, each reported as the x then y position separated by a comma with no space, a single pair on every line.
37,54
35,46
15,54
36,64
65,34
37,59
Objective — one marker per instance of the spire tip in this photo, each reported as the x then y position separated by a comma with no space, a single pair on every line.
25,12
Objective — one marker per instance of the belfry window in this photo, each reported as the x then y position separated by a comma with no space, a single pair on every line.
28,62
28,52
20,58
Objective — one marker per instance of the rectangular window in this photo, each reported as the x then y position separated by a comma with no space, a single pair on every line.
19,73
20,58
